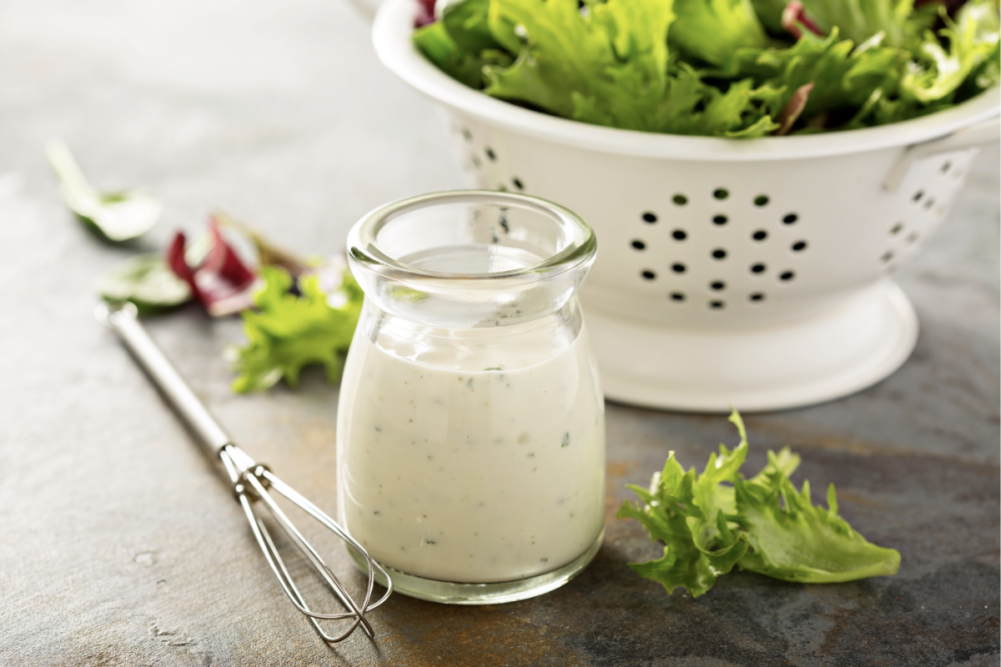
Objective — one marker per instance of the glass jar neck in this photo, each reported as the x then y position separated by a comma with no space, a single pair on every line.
473,349
471,259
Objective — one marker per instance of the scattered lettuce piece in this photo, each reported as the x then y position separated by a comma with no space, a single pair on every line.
219,279
713,521
114,216
146,282
797,541
287,332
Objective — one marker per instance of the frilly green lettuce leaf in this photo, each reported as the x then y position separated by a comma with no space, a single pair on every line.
607,67
436,43
707,67
610,66
287,332
671,514
712,30
859,20
843,76
972,41
710,522
793,540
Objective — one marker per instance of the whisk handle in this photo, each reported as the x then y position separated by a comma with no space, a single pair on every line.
124,321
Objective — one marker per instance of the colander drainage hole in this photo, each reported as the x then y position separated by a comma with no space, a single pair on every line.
466,134
761,200
639,245
680,200
517,183
929,203
887,256
757,296
918,195
678,267
790,219
679,234
719,220
648,274
716,305
799,246
677,296
649,217
717,285
759,235
757,268
896,229
946,166
490,154
786,276
912,237
721,193
719,253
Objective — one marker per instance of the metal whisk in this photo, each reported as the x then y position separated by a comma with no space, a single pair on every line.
251,480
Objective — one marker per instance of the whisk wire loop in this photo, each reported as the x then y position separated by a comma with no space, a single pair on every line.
251,482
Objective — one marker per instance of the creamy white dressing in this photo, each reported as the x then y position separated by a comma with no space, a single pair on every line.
481,464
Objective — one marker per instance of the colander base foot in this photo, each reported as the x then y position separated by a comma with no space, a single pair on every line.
827,356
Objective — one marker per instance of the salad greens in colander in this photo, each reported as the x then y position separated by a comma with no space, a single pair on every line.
730,68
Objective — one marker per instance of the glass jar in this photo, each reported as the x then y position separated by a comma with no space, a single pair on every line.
471,429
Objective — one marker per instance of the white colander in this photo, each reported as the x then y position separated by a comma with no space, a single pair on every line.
729,272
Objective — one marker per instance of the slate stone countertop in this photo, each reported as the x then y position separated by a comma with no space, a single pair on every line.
119,545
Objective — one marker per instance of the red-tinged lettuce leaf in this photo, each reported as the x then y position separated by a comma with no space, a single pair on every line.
841,77
220,281
425,13
793,540
286,332
268,254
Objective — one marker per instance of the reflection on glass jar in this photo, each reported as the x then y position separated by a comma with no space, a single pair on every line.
471,435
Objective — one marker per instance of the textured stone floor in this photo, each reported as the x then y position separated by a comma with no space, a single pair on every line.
118,544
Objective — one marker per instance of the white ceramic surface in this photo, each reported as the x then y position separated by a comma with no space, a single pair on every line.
730,272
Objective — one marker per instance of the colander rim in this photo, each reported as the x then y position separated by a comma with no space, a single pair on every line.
394,47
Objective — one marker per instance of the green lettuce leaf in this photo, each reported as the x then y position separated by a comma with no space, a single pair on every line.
610,66
670,512
794,540
710,522
467,23
844,76
707,67
972,41
860,20
287,332
712,30
437,45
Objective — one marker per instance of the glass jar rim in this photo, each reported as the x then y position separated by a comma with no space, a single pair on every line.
363,246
